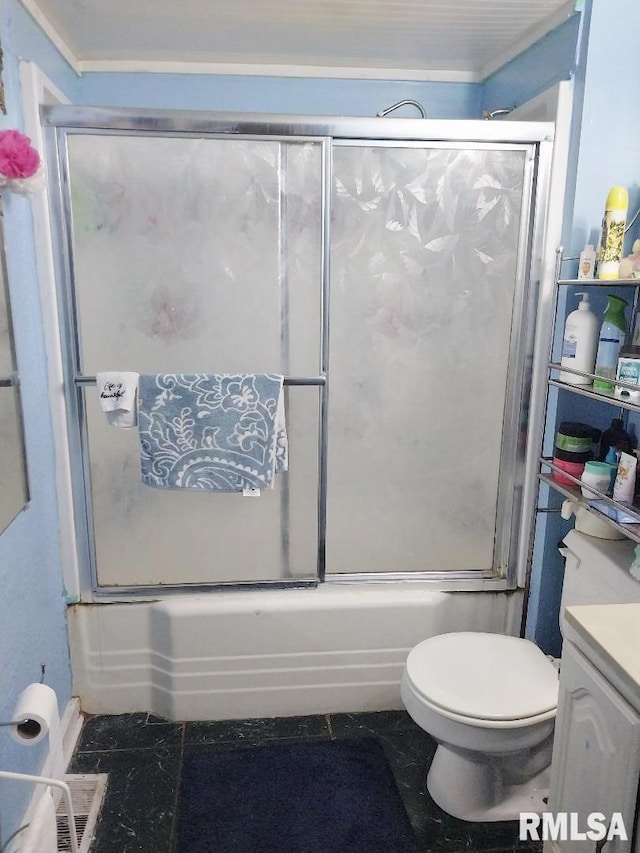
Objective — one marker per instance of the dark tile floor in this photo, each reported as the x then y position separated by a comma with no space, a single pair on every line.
142,755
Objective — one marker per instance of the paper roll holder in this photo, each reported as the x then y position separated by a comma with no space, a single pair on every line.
19,723
28,728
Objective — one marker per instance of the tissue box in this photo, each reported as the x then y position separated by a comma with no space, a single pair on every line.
628,371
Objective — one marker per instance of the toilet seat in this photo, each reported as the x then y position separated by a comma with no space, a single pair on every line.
484,679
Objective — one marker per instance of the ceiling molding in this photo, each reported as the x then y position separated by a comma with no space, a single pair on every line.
52,33
263,70
532,35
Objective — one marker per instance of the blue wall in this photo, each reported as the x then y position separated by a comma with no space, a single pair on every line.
607,147
549,60
604,153
279,94
32,602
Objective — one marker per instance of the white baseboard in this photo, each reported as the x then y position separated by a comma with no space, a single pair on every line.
70,728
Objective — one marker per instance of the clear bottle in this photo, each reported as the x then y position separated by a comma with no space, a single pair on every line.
580,342
610,342
612,234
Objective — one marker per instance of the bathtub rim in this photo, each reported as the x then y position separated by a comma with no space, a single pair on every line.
469,581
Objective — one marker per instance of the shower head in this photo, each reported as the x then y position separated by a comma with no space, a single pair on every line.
393,107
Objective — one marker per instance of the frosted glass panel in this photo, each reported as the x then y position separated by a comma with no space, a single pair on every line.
196,255
7,361
424,251
13,483
146,536
13,487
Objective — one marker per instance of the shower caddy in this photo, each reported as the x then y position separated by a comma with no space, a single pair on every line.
547,467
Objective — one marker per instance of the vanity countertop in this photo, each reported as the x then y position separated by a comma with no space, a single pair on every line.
613,632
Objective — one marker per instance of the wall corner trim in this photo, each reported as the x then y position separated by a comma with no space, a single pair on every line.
570,8
52,33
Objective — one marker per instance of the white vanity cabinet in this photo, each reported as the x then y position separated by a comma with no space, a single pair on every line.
596,752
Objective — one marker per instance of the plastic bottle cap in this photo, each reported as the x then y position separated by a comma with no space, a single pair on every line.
616,302
618,199
602,468
584,304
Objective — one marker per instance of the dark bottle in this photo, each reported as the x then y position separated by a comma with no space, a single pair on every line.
616,437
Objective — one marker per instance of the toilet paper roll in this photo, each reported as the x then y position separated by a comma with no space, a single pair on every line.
37,711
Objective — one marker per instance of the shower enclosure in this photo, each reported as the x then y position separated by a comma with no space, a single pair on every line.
386,267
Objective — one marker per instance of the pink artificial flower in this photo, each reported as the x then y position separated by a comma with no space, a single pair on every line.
17,158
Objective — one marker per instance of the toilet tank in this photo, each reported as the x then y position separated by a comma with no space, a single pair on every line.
597,572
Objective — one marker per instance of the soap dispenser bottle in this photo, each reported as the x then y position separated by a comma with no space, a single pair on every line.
610,342
580,343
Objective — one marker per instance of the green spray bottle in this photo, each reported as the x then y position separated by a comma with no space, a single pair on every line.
610,342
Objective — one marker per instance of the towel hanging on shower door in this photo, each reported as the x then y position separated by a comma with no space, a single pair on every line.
219,432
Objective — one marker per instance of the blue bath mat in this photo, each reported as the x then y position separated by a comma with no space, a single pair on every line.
321,797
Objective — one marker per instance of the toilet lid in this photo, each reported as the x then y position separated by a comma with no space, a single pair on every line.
486,676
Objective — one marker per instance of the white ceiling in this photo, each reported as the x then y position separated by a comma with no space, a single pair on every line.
461,40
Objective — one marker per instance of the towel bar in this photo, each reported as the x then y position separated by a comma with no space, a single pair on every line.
288,380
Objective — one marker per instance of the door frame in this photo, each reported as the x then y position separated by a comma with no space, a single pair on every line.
540,135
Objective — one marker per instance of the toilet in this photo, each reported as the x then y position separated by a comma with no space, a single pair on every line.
489,700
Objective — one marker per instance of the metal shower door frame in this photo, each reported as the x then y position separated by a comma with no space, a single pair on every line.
59,121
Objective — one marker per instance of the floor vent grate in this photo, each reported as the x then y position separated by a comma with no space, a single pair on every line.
87,793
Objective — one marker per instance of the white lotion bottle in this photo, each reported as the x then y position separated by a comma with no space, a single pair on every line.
580,343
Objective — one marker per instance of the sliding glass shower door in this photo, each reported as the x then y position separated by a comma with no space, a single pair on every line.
387,279
426,300
197,256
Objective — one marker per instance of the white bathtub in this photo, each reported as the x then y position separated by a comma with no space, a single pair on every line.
235,655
